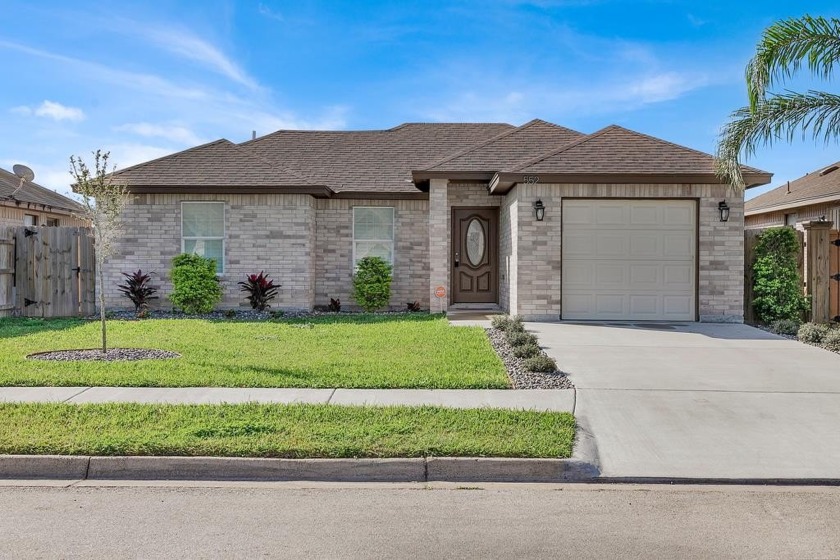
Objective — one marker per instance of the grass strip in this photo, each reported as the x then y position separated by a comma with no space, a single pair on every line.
354,351
292,431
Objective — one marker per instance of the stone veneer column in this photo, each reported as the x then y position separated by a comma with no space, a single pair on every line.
438,242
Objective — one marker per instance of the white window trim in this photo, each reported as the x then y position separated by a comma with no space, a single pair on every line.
393,233
224,229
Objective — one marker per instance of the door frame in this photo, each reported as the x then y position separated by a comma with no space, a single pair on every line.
492,245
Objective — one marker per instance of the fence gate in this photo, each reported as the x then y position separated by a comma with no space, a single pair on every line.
834,271
53,271
7,275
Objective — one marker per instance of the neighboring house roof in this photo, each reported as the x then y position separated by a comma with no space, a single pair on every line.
820,186
216,166
398,161
33,193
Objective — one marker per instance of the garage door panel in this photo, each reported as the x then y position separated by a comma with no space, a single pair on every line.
635,260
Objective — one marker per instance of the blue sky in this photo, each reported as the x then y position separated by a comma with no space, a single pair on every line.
143,79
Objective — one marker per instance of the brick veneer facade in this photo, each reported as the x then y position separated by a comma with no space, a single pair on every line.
305,244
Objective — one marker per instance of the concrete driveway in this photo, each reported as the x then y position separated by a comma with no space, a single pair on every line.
699,400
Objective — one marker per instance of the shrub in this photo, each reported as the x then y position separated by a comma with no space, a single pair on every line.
230,313
195,287
260,290
541,363
413,307
831,341
526,351
137,289
335,305
372,283
776,282
785,326
500,322
520,338
812,332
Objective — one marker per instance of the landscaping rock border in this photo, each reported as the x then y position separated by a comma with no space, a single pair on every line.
519,376
112,355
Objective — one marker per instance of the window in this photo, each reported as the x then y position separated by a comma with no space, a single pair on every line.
373,233
203,231
790,219
30,220
52,222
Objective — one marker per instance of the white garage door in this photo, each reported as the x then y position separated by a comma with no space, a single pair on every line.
629,259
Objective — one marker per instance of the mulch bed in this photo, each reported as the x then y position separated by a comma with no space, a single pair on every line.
112,355
519,376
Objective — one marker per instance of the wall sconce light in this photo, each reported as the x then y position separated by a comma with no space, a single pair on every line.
539,210
723,208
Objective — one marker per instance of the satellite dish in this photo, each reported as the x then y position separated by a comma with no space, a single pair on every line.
23,172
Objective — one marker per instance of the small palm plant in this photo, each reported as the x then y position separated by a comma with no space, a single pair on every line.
260,290
137,289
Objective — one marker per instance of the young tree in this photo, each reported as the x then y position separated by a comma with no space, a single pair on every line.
784,48
103,203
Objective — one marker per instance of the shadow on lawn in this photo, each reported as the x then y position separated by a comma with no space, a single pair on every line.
11,327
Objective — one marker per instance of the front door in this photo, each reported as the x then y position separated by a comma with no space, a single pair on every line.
474,252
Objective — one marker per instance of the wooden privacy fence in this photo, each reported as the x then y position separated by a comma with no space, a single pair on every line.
46,272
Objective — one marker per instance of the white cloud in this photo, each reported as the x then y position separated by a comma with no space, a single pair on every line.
269,13
126,155
179,134
186,44
663,87
52,110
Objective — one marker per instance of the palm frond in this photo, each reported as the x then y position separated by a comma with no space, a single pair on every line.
812,114
786,45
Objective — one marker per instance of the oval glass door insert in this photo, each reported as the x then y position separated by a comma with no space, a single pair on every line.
476,242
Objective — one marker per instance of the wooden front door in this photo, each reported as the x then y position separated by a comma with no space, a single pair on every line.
475,268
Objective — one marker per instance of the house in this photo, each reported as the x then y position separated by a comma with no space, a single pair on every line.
814,197
537,220
34,205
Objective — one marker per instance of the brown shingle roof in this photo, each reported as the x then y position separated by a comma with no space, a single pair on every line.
370,161
617,150
817,186
216,164
508,148
34,193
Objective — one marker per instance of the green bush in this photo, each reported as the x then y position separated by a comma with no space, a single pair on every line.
812,332
541,363
372,283
526,351
195,287
500,322
520,338
785,326
777,286
831,341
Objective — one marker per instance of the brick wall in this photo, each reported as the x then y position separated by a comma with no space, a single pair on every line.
333,260
266,232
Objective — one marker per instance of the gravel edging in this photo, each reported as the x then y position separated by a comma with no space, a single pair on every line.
519,376
96,355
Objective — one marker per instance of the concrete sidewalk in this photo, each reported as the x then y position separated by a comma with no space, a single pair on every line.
556,400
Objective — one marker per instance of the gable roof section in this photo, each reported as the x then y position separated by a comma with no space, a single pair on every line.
371,161
33,193
614,154
508,148
817,187
218,166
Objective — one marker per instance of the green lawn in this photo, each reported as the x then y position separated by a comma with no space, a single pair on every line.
258,430
364,351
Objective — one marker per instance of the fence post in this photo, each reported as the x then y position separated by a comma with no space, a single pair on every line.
817,276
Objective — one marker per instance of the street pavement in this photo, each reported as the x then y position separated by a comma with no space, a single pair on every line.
238,520
699,400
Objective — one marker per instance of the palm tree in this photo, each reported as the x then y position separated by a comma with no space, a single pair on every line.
784,48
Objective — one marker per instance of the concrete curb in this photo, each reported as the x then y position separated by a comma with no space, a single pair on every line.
455,469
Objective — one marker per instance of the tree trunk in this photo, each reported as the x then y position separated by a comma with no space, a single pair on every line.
102,303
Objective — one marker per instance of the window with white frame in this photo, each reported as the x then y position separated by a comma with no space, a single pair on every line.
373,233
30,220
203,231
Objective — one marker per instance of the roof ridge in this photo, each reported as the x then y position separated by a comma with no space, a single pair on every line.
482,144
563,148
795,186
